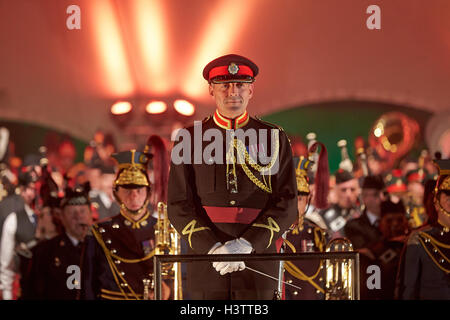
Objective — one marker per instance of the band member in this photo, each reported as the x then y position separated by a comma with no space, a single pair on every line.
425,271
396,187
18,235
385,253
117,261
54,269
102,198
346,191
364,230
234,201
305,235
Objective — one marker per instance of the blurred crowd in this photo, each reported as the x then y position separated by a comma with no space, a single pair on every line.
376,204
37,184
373,205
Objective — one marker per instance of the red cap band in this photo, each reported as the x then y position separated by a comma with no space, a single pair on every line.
223,71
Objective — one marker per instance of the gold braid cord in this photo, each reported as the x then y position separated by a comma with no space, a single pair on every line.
244,159
295,271
435,244
115,272
190,228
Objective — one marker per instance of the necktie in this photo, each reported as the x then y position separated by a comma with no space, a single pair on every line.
34,219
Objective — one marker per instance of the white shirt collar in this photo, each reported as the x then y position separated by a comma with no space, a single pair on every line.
73,240
372,217
29,211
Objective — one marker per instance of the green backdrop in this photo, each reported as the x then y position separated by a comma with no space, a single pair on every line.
333,121
29,137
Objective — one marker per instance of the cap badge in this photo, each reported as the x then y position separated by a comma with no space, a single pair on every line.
233,68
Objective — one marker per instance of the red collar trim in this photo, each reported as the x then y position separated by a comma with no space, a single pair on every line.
227,123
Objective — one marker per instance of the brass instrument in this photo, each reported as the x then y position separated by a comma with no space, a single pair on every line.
339,282
147,283
345,164
393,135
167,241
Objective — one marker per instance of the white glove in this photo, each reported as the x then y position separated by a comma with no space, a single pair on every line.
237,246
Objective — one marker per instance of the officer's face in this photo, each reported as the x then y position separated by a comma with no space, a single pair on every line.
76,220
231,97
132,198
347,193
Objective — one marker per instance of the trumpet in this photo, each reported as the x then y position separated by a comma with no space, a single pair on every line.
339,283
167,241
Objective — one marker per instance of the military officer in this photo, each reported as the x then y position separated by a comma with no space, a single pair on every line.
425,269
305,235
54,269
232,201
117,261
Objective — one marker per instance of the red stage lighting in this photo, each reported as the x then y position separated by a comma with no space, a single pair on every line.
121,108
184,107
156,107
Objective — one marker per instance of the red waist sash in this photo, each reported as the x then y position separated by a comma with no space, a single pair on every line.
232,214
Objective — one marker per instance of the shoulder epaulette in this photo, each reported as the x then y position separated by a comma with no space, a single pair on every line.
270,124
413,238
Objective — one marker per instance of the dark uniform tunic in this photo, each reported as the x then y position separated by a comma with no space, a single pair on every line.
205,212
116,259
361,232
386,255
426,267
49,270
305,274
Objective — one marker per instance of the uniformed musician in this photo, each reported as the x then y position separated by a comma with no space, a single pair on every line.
425,270
54,269
117,261
232,201
305,235
347,191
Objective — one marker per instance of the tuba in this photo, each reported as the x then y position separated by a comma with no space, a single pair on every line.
339,281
